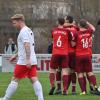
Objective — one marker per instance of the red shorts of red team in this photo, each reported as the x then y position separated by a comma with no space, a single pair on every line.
59,61
72,60
83,64
22,71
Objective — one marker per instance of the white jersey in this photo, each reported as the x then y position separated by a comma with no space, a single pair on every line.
26,35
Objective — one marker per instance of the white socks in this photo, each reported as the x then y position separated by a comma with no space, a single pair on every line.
13,87
10,90
38,90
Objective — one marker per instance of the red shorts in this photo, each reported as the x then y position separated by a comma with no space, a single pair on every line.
59,61
83,64
71,60
21,71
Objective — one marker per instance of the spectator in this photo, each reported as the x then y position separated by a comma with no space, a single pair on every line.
10,47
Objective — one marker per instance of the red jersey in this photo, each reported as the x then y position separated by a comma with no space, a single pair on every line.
73,29
60,41
83,42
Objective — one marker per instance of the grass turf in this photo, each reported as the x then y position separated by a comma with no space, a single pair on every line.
25,90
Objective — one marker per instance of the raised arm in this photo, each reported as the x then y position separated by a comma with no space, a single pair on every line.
91,26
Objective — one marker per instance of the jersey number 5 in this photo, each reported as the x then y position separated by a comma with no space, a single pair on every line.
59,42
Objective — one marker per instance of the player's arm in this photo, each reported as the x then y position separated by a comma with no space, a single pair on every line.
28,53
72,38
13,57
27,50
73,43
91,26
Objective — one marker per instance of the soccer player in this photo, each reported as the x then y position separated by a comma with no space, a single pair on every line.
83,56
27,62
72,27
59,55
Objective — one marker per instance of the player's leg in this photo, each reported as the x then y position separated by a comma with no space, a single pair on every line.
80,69
65,74
81,83
52,77
90,85
73,74
19,73
32,75
85,83
12,87
92,81
91,76
58,81
52,73
73,79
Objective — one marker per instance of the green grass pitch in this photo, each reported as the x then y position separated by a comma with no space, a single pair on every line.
25,90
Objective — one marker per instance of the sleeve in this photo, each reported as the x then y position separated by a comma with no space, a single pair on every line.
25,36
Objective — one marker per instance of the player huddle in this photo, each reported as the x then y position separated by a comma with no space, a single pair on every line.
72,57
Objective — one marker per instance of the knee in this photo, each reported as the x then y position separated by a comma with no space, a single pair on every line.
90,74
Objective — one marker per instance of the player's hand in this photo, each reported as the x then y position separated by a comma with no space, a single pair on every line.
98,59
28,64
12,58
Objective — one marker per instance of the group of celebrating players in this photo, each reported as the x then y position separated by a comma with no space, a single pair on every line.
72,57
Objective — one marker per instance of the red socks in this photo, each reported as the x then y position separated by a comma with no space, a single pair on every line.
58,79
65,82
73,79
92,79
52,79
82,84
84,77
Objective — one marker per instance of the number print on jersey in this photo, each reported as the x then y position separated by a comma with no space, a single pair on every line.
59,42
85,43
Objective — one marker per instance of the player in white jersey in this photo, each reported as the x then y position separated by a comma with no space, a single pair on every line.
27,62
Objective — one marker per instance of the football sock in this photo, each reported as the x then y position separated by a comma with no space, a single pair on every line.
92,80
52,79
38,90
81,83
58,79
69,81
11,89
65,82
84,83
73,79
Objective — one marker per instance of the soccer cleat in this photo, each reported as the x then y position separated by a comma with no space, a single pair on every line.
51,92
83,93
58,91
95,91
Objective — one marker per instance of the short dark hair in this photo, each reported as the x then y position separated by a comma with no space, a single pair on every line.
83,23
61,21
69,18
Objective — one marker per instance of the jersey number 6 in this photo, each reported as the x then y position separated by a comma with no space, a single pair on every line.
59,42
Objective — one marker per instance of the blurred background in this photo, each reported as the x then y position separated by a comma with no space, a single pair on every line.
41,16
